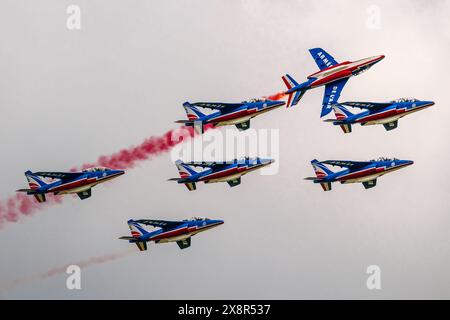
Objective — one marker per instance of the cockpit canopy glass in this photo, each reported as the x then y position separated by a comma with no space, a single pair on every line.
254,100
198,219
404,100
384,159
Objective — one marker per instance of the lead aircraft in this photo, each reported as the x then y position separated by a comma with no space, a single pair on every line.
332,75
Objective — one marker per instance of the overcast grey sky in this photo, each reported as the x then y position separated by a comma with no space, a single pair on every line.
69,96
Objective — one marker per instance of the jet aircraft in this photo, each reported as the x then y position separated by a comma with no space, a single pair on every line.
238,114
365,172
168,231
386,113
68,182
332,75
229,172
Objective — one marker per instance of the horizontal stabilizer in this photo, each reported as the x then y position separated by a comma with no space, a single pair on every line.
185,122
191,186
40,197
326,186
142,246
315,179
28,191
347,128
127,238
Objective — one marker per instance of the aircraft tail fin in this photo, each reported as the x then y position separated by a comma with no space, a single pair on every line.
192,112
341,112
184,170
194,115
293,96
136,230
320,169
34,181
136,233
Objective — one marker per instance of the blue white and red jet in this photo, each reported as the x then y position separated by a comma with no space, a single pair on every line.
332,75
168,231
386,114
68,182
365,172
238,114
230,171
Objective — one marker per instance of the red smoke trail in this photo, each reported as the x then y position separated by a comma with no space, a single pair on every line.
153,146
24,205
62,269
277,96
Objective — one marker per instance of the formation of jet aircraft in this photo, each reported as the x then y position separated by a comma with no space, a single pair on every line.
385,113
332,75
365,172
228,171
80,182
238,114
168,231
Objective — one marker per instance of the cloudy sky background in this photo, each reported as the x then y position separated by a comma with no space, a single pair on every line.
69,96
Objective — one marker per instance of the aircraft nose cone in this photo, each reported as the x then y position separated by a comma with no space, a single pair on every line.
405,162
118,172
216,222
267,161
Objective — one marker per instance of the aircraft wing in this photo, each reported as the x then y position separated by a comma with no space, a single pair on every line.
218,105
160,223
322,58
347,164
59,175
332,93
204,164
367,105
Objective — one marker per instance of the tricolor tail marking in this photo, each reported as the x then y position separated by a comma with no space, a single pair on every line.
290,83
192,112
320,169
34,181
184,170
136,230
341,112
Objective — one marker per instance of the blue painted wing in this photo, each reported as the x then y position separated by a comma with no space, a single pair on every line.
367,105
161,223
347,164
332,93
60,175
322,58
218,105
